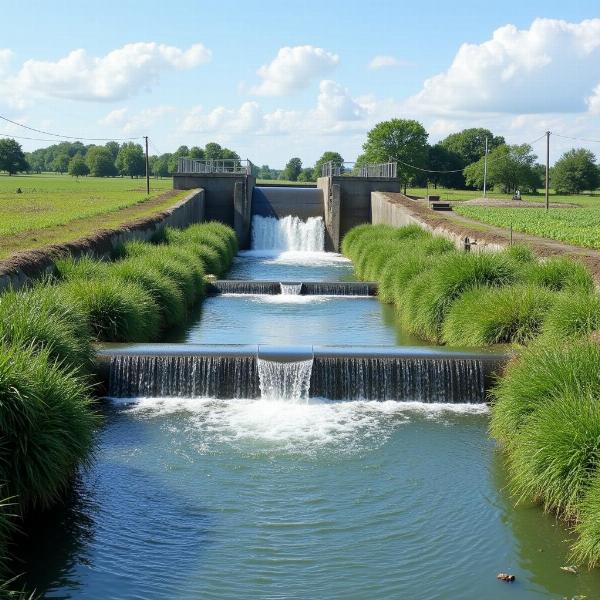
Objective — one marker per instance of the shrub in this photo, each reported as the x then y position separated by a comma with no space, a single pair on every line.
348,241
81,268
210,259
178,263
558,273
520,254
490,315
438,287
587,548
46,425
42,318
557,452
115,310
207,235
161,288
573,315
543,372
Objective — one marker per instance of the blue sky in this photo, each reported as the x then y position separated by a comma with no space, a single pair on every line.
279,79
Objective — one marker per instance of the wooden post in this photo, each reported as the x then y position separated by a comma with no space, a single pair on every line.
547,170
147,169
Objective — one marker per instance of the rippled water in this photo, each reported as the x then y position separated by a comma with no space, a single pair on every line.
266,499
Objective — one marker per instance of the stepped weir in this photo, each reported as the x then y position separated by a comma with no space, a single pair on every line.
336,373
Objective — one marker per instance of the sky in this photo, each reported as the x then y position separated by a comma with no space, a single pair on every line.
273,80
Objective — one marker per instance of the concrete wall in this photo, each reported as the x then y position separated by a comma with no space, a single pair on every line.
387,212
283,201
20,269
221,201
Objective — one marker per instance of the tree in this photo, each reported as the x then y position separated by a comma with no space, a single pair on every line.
306,175
402,140
469,144
329,156
60,164
113,148
212,151
196,153
509,167
292,170
181,152
100,163
575,172
265,173
12,158
441,159
160,167
77,166
131,160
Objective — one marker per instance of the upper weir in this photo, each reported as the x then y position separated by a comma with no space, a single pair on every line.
305,288
337,373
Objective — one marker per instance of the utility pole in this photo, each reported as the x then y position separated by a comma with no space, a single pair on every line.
147,169
547,170
485,167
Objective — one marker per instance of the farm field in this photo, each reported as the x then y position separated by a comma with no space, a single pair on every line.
53,209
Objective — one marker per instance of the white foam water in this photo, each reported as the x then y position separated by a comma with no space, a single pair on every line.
288,234
290,289
307,428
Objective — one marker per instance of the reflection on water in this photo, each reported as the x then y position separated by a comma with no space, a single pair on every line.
229,499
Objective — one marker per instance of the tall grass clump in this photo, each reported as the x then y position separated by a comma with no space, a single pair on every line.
559,273
491,315
557,453
520,254
178,263
430,295
349,240
46,425
544,371
115,310
84,267
587,547
573,315
162,288
42,318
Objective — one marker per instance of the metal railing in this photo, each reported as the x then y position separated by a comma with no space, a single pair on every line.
333,169
192,166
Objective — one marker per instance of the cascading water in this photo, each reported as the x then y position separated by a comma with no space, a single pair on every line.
287,381
288,234
291,289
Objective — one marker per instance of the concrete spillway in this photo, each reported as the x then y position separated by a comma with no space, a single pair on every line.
337,373
284,201
306,288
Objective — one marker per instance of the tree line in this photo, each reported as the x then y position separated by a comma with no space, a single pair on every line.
109,160
457,161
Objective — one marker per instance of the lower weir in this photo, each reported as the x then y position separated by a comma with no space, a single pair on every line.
336,373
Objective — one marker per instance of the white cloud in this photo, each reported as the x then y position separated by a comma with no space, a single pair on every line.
117,75
593,101
384,61
135,124
6,56
293,69
550,67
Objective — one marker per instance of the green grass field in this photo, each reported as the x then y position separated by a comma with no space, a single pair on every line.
579,226
58,208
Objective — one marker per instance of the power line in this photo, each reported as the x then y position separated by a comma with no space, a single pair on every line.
570,137
23,137
67,137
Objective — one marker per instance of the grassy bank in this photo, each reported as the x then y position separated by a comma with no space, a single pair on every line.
47,418
36,210
545,407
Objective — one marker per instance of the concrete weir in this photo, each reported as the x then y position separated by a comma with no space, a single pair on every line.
305,288
338,373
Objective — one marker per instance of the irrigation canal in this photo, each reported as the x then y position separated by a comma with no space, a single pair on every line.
226,470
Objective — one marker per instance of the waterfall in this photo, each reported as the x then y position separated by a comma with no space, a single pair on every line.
408,379
289,381
192,376
232,286
339,288
288,234
291,289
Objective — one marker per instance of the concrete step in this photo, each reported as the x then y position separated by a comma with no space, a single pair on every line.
440,206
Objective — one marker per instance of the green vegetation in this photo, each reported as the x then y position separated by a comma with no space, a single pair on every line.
575,172
36,210
545,408
47,419
579,226
484,316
